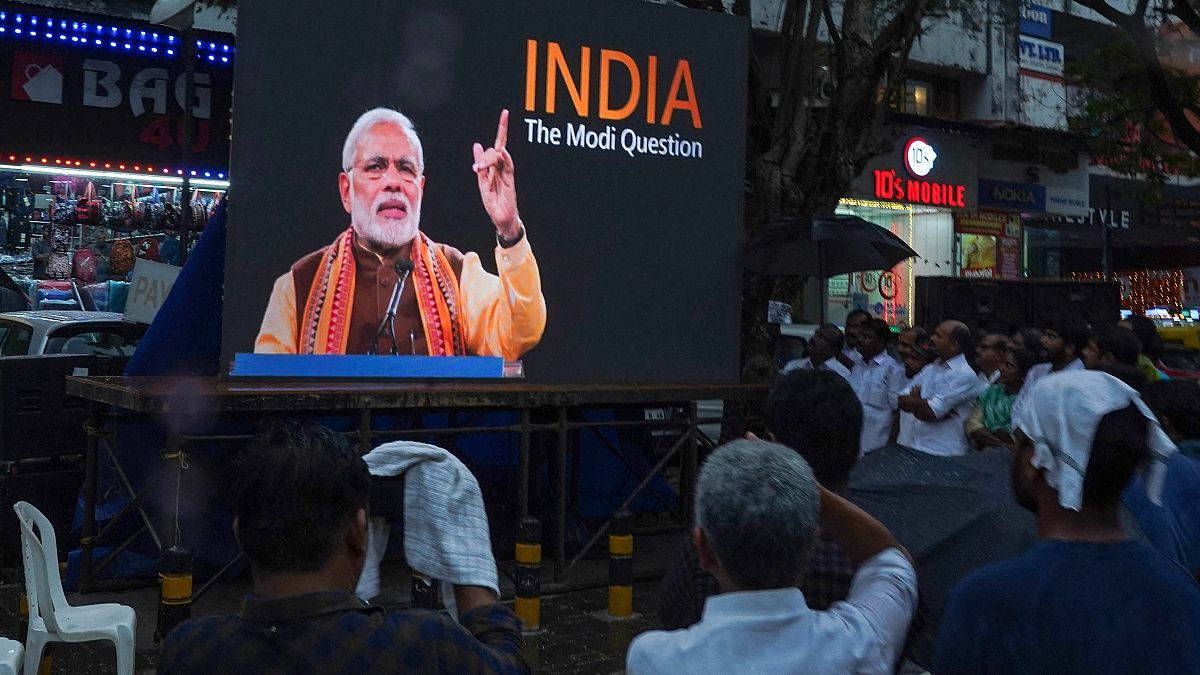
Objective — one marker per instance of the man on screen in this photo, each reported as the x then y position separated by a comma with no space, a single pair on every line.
336,299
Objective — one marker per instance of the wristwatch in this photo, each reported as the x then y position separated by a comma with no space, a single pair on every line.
509,243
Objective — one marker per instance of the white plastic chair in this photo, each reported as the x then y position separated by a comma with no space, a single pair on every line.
11,653
51,619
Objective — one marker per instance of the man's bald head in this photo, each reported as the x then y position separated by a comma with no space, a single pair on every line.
951,339
826,343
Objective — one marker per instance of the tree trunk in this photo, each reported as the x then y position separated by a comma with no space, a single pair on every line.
801,161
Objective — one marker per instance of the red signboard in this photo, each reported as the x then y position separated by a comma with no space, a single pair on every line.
891,187
38,76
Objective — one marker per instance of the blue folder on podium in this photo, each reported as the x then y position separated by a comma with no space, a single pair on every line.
350,366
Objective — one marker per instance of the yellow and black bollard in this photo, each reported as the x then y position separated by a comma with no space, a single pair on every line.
529,573
424,591
620,566
175,590
44,668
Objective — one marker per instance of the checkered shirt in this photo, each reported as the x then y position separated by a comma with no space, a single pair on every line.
338,633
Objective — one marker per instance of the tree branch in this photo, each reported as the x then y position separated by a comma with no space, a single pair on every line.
896,33
800,104
1171,107
834,37
1109,12
1187,14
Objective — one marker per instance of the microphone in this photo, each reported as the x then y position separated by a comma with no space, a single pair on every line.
403,269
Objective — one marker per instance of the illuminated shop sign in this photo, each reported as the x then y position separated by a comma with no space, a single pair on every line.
919,159
919,156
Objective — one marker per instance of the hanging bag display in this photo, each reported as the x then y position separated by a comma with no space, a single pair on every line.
157,211
62,212
213,204
140,215
83,265
87,209
110,213
18,232
169,251
127,209
171,217
120,262
148,249
199,214
59,265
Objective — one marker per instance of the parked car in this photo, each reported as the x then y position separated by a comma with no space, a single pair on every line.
1180,362
41,332
1184,336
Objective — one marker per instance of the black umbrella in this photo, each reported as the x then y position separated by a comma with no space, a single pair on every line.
825,247
953,514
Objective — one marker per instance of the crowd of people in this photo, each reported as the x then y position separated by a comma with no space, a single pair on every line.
920,502
1042,490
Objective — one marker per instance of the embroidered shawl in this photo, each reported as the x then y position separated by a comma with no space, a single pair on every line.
325,323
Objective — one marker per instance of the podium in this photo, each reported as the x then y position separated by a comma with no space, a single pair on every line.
363,366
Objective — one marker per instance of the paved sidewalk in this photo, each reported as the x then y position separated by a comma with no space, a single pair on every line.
579,639
576,638
577,635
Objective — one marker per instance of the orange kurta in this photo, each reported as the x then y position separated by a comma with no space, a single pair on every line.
504,315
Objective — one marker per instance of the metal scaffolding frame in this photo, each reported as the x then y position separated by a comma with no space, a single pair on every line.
112,400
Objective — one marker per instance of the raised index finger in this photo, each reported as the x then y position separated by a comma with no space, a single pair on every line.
502,131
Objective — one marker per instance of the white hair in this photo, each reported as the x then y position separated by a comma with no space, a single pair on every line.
381,116
759,507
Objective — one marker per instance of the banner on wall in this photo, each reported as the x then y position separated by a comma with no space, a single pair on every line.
1009,254
979,255
1041,56
988,222
1036,20
566,233
990,244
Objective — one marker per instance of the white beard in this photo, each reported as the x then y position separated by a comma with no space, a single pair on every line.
385,232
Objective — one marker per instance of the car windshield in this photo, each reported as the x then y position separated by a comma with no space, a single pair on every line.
90,340
1181,359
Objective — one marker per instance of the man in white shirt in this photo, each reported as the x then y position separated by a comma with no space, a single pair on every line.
989,354
917,356
877,381
941,396
1064,342
822,353
849,354
758,512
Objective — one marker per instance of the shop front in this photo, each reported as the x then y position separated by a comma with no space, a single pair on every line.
1022,179
91,175
1147,234
1146,227
914,191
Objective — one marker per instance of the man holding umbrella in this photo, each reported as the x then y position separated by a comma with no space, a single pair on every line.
825,247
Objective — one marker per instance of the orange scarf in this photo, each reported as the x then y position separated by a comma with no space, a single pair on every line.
326,324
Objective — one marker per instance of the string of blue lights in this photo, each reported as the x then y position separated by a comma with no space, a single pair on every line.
107,35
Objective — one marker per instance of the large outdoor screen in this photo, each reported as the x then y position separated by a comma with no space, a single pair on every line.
592,231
